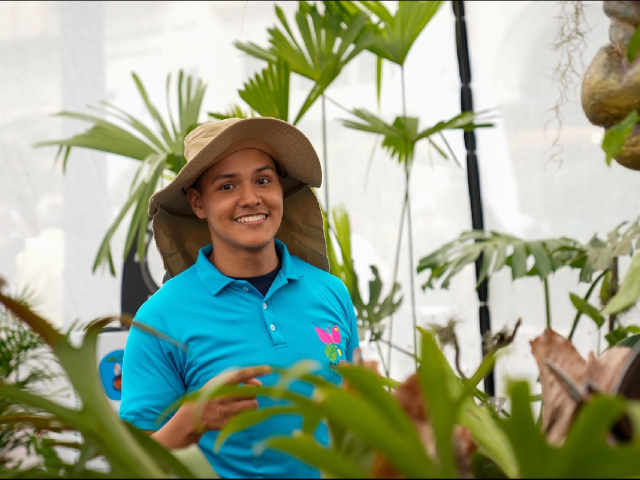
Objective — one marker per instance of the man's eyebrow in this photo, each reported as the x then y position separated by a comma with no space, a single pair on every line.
262,169
224,175
235,174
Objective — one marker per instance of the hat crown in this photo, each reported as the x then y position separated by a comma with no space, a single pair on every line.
203,134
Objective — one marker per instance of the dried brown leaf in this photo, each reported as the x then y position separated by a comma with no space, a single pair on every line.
605,371
559,407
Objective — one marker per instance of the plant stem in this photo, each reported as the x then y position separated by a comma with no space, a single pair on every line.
411,276
395,271
407,170
400,349
586,297
384,365
408,164
324,156
613,289
547,301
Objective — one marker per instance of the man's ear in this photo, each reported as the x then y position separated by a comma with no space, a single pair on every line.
195,200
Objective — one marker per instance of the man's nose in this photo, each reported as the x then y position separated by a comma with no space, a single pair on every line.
250,197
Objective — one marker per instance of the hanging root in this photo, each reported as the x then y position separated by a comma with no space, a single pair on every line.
571,43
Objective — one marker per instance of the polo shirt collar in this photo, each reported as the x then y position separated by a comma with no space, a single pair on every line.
215,281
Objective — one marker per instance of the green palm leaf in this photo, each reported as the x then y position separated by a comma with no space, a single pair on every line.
400,137
268,92
394,35
159,148
232,111
319,50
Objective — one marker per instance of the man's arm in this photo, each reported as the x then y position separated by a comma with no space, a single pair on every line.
188,424
178,432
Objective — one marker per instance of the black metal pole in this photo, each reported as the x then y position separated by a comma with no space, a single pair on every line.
473,175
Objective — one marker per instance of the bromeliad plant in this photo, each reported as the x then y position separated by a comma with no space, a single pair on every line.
159,149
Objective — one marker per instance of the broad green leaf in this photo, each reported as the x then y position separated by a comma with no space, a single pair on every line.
615,336
585,307
527,442
309,451
634,46
630,342
616,136
369,386
198,464
249,419
519,260
542,261
486,263
375,286
432,375
629,291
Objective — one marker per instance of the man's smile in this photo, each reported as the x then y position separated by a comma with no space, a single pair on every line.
252,219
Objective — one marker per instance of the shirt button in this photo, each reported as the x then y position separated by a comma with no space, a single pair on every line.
273,327
245,289
264,305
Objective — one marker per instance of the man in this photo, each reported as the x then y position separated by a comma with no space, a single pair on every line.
241,232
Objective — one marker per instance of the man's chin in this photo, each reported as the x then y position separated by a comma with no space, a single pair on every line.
256,246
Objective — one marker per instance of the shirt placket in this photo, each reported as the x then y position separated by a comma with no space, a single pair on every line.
273,326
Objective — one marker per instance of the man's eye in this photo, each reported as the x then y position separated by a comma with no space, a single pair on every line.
263,181
226,186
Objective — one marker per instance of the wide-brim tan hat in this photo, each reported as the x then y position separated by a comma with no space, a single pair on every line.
180,234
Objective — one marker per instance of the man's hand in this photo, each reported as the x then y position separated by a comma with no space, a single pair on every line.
214,414
193,419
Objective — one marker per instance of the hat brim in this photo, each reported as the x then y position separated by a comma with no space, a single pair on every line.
292,148
180,234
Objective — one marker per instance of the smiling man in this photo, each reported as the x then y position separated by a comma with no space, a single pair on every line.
241,234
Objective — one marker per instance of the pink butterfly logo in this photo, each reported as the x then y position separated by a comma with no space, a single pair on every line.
331,338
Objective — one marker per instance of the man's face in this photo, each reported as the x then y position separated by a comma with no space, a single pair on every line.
241,199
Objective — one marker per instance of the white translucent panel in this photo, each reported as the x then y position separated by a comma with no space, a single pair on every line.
66,55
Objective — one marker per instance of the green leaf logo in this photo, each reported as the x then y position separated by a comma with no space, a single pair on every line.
331,351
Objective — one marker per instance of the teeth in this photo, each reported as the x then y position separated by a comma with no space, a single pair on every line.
251,218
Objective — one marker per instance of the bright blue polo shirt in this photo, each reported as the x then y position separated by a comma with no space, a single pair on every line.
227,323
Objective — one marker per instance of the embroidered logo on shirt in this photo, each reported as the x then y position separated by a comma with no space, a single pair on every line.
331,338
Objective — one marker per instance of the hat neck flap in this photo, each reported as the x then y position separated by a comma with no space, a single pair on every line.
179,237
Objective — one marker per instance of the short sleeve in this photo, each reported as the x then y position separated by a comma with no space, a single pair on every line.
151,380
